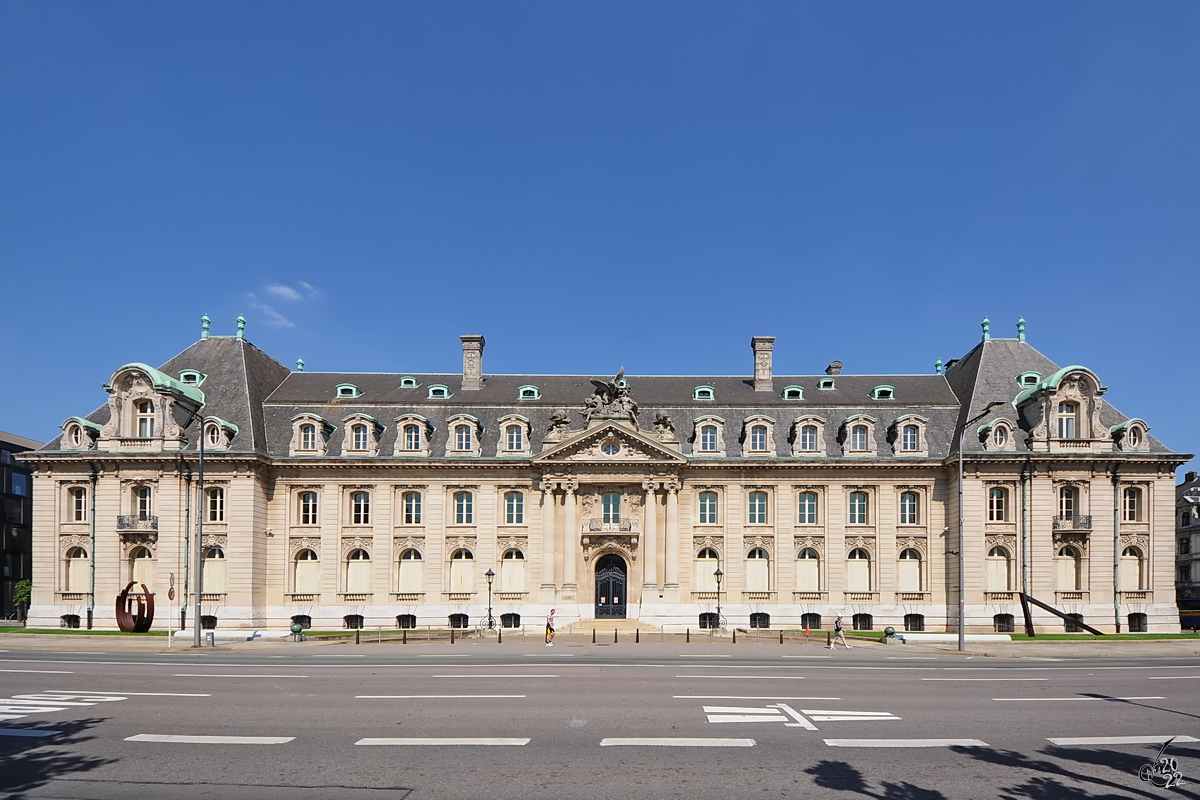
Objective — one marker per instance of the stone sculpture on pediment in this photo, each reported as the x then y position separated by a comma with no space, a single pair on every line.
611,400
664,427
560,424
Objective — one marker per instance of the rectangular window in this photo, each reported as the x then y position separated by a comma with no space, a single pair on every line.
908,440
462,437
808,438
360,508
997,505
708,508
516,438
807,506
1066,420
20,484
1066,502
514,508
758,438
858,508
464,509
78,497
611,505
360,437
708,439
757,509
412,508
412,437
216,505
308,508
1131,505
908,508
142,502
858,438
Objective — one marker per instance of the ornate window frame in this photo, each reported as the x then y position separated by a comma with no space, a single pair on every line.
748,425
352,511
897,436
883,392
374,433
1132,435
798,426
716,491
698,425
872,509
529,392
453,423
846,434
792,393
438,391
346,391
425,431
218,434
998,436
78,434
323,431
769,510
704,393
409,382
922,508
508,421
819,511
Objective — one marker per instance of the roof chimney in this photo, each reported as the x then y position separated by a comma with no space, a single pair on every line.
762,346
1190,477
472,347
834,369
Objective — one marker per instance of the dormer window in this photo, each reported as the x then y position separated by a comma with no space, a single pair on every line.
758,436
347,391
145,419
908,436
437,392
514,435
464,436
826,383
529,393
1068,420
412,437
191,377
79,434
709,436
309,435
361,435
883,393
1130,435
703,393
793,393
409,382
808,436
858,435
1026,379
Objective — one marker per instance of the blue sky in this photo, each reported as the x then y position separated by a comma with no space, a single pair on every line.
598,185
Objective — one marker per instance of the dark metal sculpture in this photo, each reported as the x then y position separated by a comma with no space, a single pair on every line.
130,621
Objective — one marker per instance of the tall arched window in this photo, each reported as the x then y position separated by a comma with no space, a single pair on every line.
462,437
358,572
462,571
78,570
610,505
412,437
806,505
908,574
858,571
515,437
145,419
514,508
708,508
512,571
307,511
858,438
307,577
464,508
998,570
997,505
1068,418
1068,569
360,508
78,510
1131,504
909,514
859,508
409,574
757,509
212,577
141,567
705,567
1132,579
412,508
808,571
758,571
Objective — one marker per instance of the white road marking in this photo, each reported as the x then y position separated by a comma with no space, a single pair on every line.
494,676
620,742
84,692
549,655
446,655
33,734
744,697
748,677
800,722
702,655
339,655
41,671
806,656
1172,677
747,717
444,742
985,679
413,697
1047,699
184,739
227,675
912,658
906,743
1121,740
741,710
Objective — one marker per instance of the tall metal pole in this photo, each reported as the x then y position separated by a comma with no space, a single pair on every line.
962,634
1116,479
91,609
197,552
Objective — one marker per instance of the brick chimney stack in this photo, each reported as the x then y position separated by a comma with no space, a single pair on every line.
762,346
472,349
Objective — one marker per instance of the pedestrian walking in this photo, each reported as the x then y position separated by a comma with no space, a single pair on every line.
550,629
839,634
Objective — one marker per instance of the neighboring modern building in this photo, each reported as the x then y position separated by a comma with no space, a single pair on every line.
347,499
1187,550
16,536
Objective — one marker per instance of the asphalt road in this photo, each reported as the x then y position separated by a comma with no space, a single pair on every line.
706,720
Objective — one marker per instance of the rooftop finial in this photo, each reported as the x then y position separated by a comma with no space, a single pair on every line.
937,367
1021,329
241,327
299,365
987,327
204,323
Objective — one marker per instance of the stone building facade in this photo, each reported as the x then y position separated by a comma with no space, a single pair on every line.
385,499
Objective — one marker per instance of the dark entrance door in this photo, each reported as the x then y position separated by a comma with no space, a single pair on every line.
610,587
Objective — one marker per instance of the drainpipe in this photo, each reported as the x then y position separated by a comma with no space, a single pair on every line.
1116,479
93,475
186,472
1025,475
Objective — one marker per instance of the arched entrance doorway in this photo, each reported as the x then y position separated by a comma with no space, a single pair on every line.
610,587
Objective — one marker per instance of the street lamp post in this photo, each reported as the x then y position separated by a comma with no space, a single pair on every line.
491,623
718,575
962,619
198,551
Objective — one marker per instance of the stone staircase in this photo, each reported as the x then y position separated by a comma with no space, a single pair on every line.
624,630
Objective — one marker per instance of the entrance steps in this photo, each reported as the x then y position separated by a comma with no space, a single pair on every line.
606,627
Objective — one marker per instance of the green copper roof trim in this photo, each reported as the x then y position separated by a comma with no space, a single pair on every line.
507,417
462,416
854,417
903,417
1123,425
163,382
360,415
91,426
411,416
1052,383
226,425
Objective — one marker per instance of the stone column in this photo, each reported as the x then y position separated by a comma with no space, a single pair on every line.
672,561
649,554
570,536
548,534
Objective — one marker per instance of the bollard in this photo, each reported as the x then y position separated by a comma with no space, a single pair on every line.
688,638
499,636
637,635
358,635
379,635
735,635
593,635
781,637
452,636
211,639
828,640
614,635
405,636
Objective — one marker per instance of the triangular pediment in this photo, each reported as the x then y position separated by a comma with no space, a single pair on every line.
589,447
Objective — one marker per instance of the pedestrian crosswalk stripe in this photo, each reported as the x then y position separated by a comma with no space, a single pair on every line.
676,742
906,743
1094,740
186,739
444,742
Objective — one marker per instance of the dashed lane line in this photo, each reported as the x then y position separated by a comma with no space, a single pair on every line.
495,676
675,742
41,671
985,679
748,677
1172,677
186,739
229,675
1066,699
1095,740
703,655
445,742
906,743
129,694
744,697
433,696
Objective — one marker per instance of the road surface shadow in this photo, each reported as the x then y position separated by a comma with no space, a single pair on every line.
840,776
27,762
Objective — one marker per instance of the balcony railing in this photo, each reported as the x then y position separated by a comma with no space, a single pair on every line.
1071,597
137,522
999,597
710,596
1139,596
212,597
809,595
407,597
758,595
862,597
912,597
1073,522
303,597
72,597
600,526
355,597
511,596
458,597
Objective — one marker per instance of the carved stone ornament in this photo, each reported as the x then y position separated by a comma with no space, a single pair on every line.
611,400
811,543
214,540
713,542
402,543
352,543
1139,540
72,540
1077,540
560,424
461,543
513,543
865,542
131,541
603,544
1006,540
298,543
764,542
918,543
664,427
